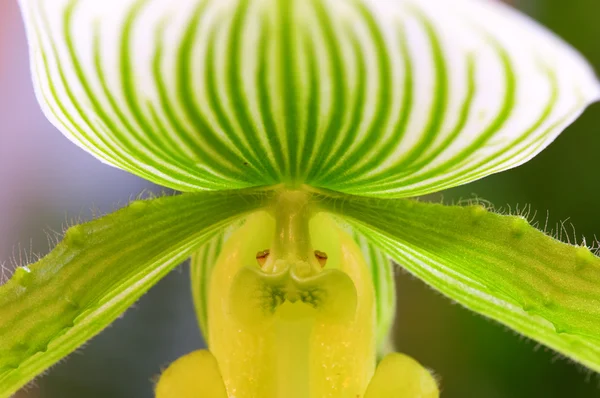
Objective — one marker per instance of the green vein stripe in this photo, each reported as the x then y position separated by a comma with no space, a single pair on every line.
241,103
210,146
217,101
288,77
186,99
57,109
380,122
437,112
440,88
534,129
265,99
390,144
484,166
502,116
465,115
54,92
336,73
313,104
336,162
133,146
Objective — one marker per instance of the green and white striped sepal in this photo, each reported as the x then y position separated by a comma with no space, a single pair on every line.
375,97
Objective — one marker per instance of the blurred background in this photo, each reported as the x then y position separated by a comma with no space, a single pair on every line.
45,182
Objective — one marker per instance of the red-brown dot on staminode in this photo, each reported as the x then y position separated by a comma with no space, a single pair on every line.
321,257
262,256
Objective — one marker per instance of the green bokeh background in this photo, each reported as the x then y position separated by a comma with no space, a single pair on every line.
472,356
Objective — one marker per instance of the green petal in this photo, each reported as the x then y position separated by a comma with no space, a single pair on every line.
377,97
382,272
51,307
496,265
202,263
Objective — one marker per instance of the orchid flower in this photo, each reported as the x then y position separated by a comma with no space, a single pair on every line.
299,133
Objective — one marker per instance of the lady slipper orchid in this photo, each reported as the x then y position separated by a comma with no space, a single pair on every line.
297,132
